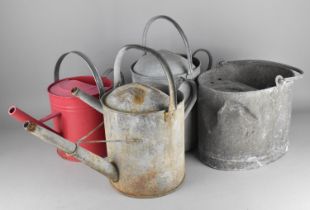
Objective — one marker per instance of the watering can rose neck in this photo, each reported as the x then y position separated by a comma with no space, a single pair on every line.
102,165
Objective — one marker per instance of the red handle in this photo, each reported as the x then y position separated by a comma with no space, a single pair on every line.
22,116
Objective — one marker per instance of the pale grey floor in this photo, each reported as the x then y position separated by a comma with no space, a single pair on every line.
33,177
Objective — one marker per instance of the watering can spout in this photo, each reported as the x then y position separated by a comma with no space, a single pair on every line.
21,116
88,99
102,165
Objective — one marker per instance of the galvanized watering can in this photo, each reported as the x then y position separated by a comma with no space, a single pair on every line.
68,113
244,113
148,71
145,134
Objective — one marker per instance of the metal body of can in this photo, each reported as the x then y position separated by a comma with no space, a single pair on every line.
145,133
155,165
76,119
244,113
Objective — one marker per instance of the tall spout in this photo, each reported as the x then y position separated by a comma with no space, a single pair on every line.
102,165
22,116
88,99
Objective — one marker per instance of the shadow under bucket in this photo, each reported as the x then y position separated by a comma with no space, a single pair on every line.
244,113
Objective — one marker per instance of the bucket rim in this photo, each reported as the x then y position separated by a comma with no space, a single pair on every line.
282,65
292,69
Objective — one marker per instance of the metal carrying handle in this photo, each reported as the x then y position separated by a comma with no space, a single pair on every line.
210,59
189,98
181,32
91,66
299,71
110,71
279,80
166,69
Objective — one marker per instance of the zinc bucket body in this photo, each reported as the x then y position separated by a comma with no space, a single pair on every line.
244,113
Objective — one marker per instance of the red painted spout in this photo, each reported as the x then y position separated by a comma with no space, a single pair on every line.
22,117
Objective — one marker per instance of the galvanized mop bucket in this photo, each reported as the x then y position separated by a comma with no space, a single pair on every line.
244,113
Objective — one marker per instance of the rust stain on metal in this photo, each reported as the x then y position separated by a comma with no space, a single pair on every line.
138,96
140,183
30,126
137,92
167,116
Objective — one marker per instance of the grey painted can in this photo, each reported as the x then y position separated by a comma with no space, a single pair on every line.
193,70
244,113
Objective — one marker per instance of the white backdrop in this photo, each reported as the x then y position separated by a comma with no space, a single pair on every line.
35,32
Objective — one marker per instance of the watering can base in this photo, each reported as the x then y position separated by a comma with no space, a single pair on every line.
148,196
246,164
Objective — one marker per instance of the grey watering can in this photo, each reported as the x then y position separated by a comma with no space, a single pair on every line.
144,130
147,70
244,113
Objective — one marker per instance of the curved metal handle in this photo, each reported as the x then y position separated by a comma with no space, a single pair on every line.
190,96
210,59
181,32
110,71
91,66
280,80
166,69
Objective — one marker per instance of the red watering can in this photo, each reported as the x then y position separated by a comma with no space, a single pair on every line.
73,119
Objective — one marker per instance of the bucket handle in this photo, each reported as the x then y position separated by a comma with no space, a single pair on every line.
210,59
165,66
181,32
280,79
91,66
